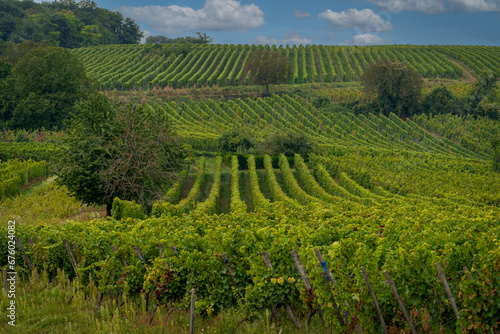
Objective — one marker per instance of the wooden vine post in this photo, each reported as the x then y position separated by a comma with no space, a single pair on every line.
191,318
400,301
23,252
447,289
307,283
71,258
372,294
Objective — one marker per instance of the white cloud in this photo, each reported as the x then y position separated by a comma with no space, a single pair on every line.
365,20
367,39
438,6
424,6
301,14
216,15
474,6
291,38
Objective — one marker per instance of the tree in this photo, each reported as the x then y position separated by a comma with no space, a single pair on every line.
48,82
439,101
266,67
128,152
237,140
397,86
484,99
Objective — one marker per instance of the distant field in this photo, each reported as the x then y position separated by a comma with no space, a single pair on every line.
126,67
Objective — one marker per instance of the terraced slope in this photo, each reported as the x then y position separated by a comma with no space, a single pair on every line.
125,67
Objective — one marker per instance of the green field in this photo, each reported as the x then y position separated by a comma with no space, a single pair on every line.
126,67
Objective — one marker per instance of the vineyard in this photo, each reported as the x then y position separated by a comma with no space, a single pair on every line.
400,214
126,67
385,225
202,122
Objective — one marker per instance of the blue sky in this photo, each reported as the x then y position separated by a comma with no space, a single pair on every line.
328,22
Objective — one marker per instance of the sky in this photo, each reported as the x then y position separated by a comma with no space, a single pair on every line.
326,22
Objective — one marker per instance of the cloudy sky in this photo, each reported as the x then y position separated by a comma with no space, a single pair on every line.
329,22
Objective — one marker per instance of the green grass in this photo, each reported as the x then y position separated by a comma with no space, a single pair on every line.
46,203
48,307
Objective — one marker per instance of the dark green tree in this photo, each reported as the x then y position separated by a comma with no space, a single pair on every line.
7,93
439,101
398,87
267,67
48,82
128,152
484,99
65,23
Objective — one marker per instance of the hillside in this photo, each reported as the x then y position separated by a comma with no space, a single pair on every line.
126,67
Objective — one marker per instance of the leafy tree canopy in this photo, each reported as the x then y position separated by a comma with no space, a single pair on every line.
398,87
266,67
129,152
41,89
65,23
485,97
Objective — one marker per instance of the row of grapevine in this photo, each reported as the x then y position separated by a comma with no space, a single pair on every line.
276,193
293,188
237,205
188,203
173,194
209,206
16,173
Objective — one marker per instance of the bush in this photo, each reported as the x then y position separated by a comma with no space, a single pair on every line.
126,209
289,144
236,140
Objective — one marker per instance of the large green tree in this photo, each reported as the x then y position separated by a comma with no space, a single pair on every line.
266,67
48,82
398,87
65,23
129,152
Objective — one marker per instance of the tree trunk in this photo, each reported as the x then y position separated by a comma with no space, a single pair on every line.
267,89
108,209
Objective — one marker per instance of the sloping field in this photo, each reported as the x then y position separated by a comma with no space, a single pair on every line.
202,122
125,67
